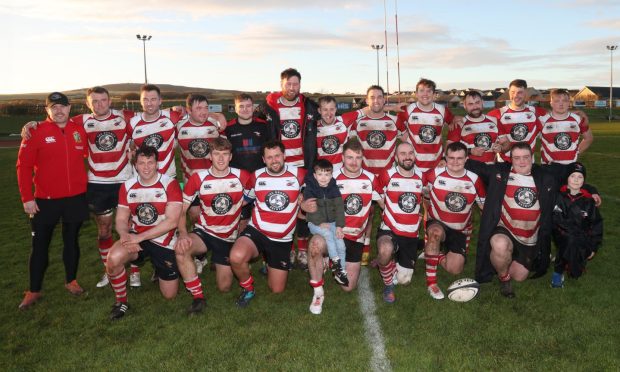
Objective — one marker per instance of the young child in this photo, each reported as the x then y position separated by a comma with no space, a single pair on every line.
328,220
577,227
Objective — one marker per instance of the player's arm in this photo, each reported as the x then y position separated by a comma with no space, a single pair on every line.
586,140
171,221
25,133
26,161
183,241
121,222
220,119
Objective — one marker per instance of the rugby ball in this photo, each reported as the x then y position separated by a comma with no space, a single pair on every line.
463,290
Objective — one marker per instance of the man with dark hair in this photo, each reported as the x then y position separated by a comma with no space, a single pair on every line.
148,213
292,118
54,154
452,191
332,131
515,227
275,190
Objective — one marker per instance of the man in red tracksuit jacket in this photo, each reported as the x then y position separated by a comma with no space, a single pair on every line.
55,154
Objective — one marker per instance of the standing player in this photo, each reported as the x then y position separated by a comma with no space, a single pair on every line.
479,132
275,190
55,155
332,131
424,121
398,233
452,192
292,119
219,191
358,188
247,135
146,221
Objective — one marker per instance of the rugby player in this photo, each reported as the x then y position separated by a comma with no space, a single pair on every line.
148,212
275,190
452,192
332,131
219,191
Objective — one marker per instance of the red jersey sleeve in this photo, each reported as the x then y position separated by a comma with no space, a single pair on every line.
301,174
127,115
539,111
454,134
583,126
173,191
449,116
122,197
25,166
377,193
350,119
384,178
191,188
480,189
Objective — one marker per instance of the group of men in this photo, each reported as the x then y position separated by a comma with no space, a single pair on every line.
242,184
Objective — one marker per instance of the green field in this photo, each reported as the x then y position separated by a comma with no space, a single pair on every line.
542,329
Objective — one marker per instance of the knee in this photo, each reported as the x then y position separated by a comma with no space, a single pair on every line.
434,235
224,287
316,247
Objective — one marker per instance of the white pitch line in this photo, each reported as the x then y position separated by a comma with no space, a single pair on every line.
603,154
372,327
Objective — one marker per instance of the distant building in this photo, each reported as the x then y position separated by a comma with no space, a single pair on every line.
591,96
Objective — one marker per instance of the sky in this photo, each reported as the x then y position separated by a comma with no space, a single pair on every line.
244,45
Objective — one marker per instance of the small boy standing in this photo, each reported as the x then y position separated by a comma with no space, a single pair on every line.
328,220
577,227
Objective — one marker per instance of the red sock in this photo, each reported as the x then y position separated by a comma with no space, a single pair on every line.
119,285
104,246
431,268
315,284
248,284
302,244
387,272
134,269
194,287
504,278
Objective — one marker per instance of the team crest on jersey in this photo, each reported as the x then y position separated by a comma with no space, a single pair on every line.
407,202
353,204
483,140
427,134
290,129
330,144
221,203
154,140
277,200
147,214
518,132
562,141
106,141
455,202
525,197
199,148
77,138
376,139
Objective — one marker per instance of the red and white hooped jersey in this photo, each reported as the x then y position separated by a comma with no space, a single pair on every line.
291,130
357,195
403,197
108,142
147,205
330,138
424,132
159,133
220,200
560,138
378,138
518,125
477,132
275,207
193,142
452,198
521,208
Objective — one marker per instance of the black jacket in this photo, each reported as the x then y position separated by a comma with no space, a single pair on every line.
330,207
495,177
266,112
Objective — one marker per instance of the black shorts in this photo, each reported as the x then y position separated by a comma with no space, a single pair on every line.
354,250
220,249
404,247
163,259
195,202
102,197
455,241
276,254
523,254
302,230
70,209
246,211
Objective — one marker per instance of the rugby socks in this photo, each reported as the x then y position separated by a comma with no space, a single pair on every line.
119,285
302,244
194,287
504,278
387,272
317,285
134,269
366,252
431,261
104,246
248,284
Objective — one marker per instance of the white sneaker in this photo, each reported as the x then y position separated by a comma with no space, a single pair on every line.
317,302
134,280
435,292
104,281
200,265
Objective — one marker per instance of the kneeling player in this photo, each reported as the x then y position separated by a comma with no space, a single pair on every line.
219,190
398,233
452,193
151,202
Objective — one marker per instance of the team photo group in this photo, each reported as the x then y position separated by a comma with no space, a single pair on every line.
289,183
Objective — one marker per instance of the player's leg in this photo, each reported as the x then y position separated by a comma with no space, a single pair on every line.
366,248
165,264
523,256
456,245
353,265
104,241
242,252
302,233
220,255
102,200
118,256
387,266
435,235
194,214
71,255
187,268
277,274
501,257
317,249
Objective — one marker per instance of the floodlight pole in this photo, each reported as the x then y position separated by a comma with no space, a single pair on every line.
144,39
377,47
611,49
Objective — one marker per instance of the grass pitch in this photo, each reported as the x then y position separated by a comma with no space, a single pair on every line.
574,328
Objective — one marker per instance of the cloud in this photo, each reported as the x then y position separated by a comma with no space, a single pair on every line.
611,24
